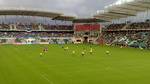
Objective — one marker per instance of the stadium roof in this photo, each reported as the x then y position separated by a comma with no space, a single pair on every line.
35,12
29,13
65,18
123,9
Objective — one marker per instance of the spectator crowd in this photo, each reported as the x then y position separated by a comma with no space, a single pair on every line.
134,35
33,26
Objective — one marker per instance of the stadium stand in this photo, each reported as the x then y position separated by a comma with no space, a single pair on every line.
128,23
134,35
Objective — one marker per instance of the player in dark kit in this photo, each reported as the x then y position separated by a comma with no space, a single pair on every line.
45,50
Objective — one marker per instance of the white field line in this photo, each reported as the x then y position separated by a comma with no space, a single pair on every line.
44,77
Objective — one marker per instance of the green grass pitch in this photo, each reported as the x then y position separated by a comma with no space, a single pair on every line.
24,65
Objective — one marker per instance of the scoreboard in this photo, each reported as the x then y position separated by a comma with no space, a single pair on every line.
87,27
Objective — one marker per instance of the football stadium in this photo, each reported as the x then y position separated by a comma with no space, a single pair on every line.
112,46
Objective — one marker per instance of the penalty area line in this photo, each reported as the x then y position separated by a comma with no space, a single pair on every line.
44,77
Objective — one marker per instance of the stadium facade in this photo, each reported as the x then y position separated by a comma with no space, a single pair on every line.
20,26
33,27
124,23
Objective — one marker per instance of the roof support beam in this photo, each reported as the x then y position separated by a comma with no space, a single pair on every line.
117,15
125,11
141,6
145,2
130,8
124,14
104,16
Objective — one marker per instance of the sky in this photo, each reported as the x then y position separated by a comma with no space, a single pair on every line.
79,8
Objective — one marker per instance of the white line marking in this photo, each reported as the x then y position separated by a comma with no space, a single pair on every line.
44,76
